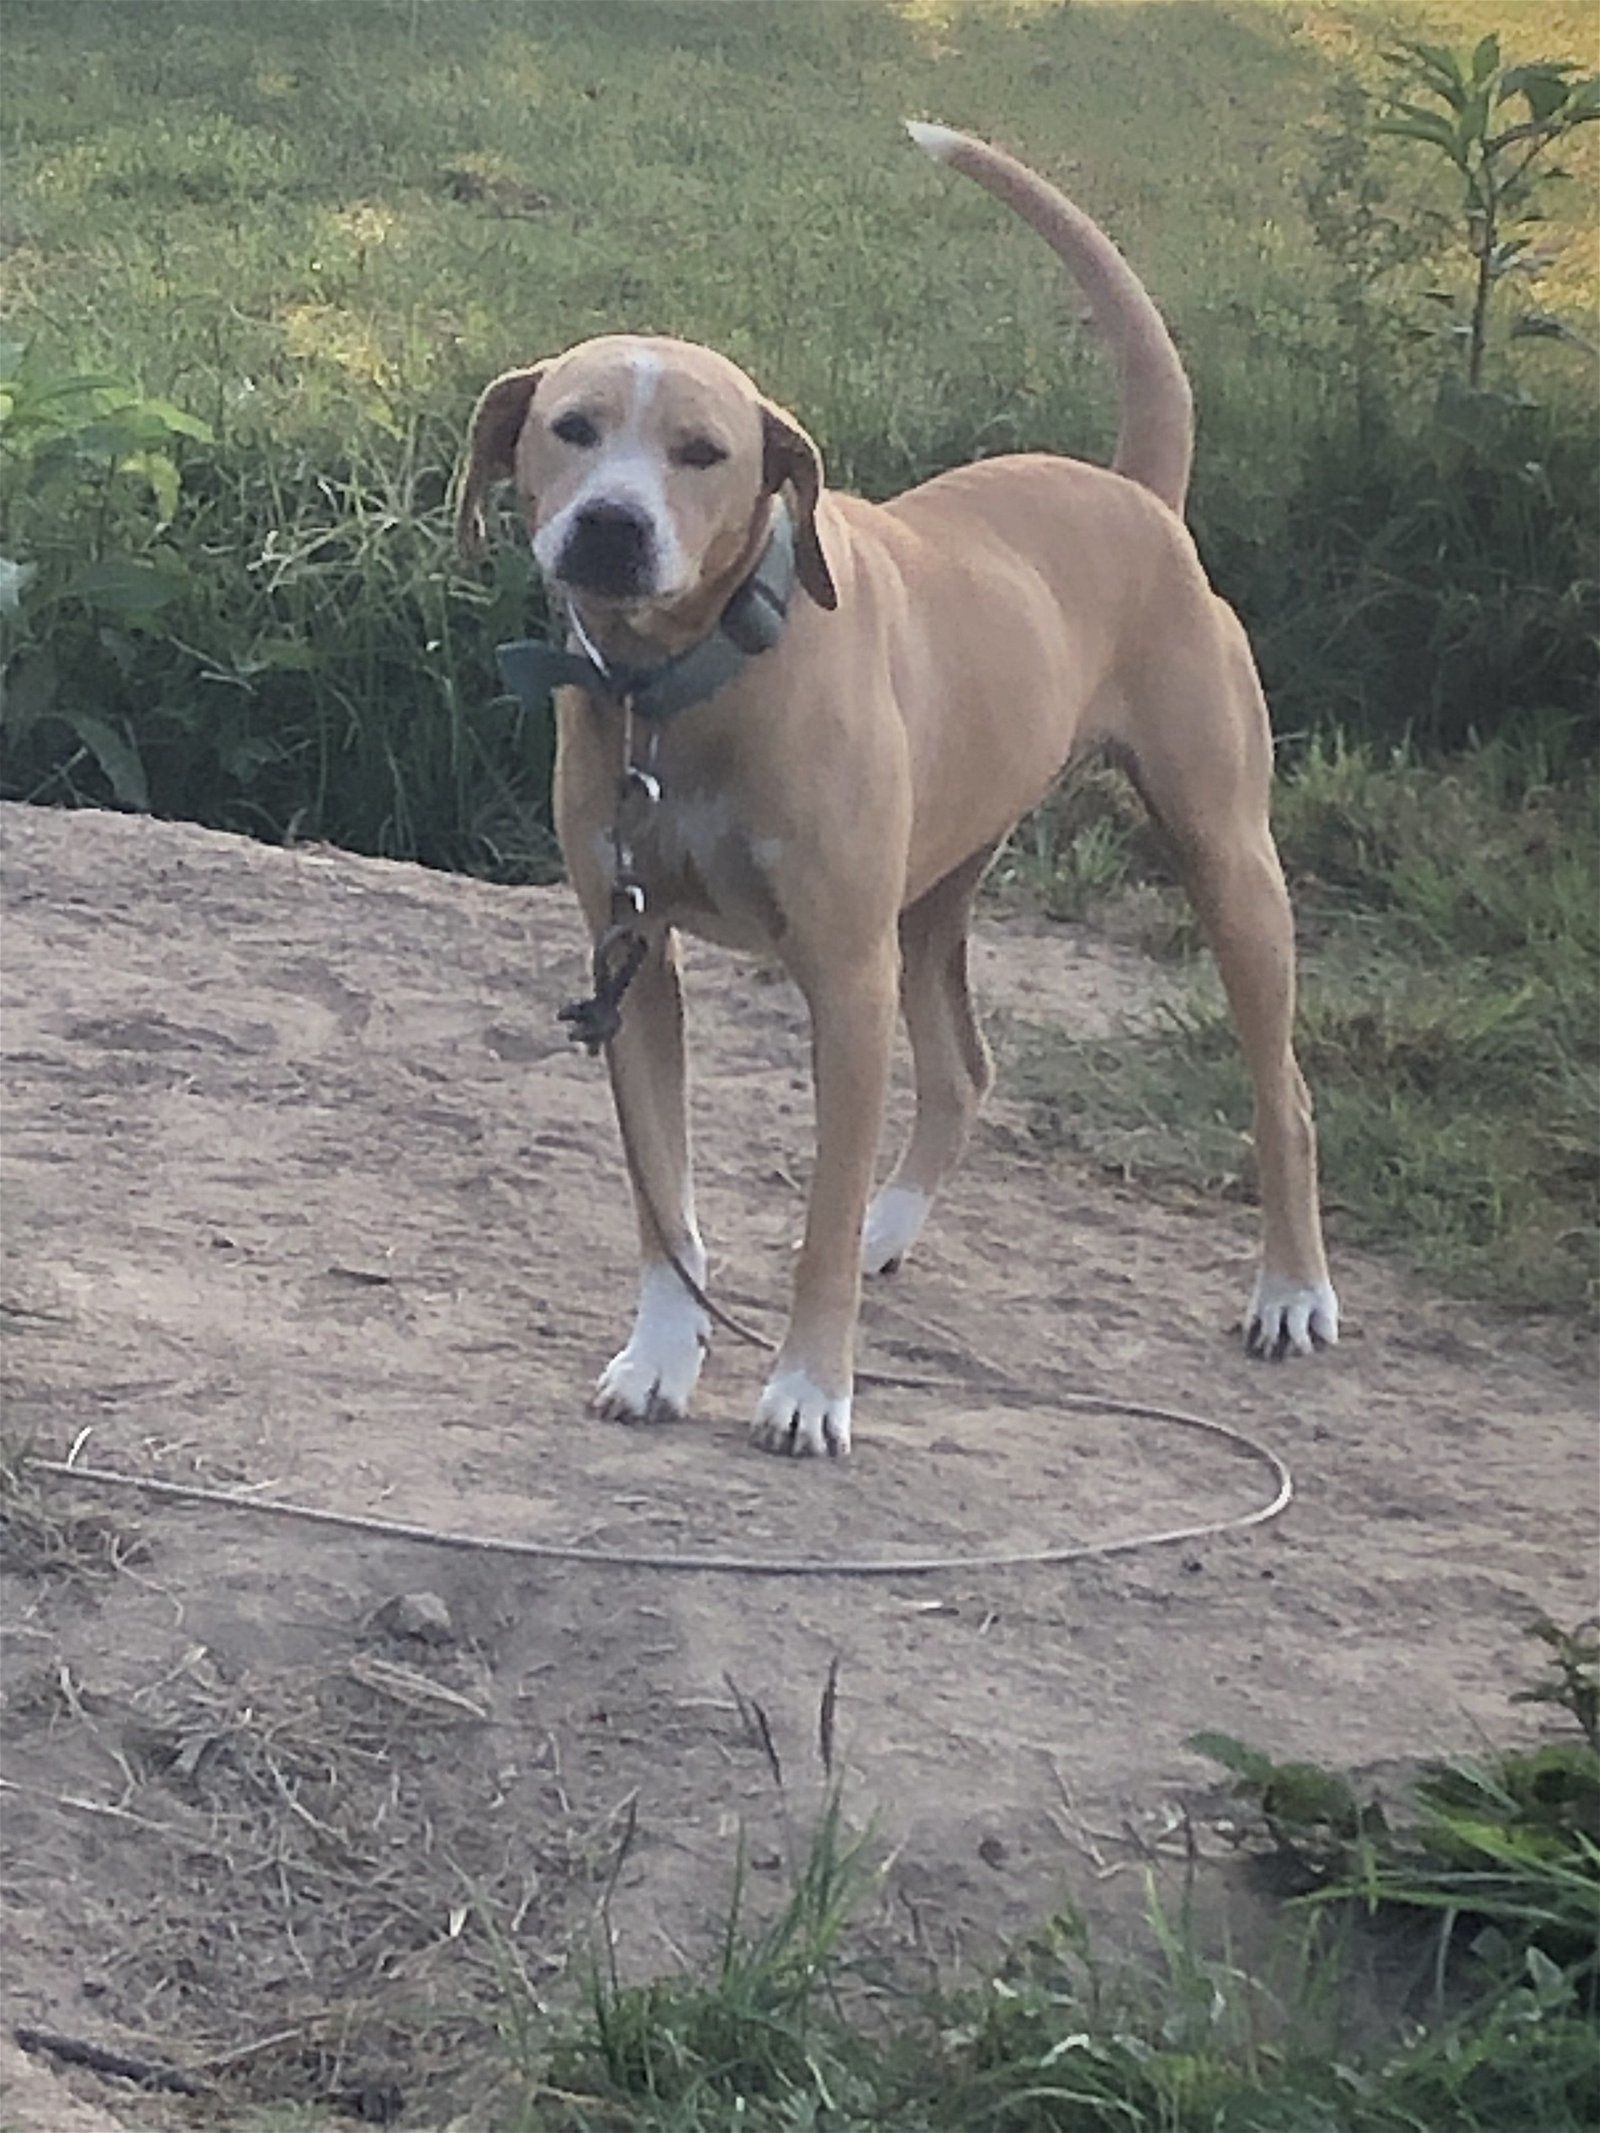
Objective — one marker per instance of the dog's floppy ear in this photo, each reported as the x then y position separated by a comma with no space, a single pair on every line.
791,456
490,452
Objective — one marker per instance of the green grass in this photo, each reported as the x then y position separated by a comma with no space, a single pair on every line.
1497,2031
785,2033
1449,1027
316,230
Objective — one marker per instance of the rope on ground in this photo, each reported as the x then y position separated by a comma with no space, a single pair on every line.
755,1566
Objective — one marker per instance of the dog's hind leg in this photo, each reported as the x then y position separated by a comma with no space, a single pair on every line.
950,1060
654,1376
1240,895
1205,771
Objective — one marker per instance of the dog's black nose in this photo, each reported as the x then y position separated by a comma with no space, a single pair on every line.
608,550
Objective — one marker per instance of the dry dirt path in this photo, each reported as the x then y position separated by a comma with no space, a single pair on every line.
305,1190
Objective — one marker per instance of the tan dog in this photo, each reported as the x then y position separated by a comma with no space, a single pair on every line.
836,803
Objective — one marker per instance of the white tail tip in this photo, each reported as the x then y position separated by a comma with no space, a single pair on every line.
940,142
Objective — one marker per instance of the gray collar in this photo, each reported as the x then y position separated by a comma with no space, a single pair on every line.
751,623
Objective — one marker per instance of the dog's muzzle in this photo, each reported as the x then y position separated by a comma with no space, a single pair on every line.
610,550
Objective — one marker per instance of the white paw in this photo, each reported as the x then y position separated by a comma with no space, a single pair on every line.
654,1377
894,1223
795,1415
1288,1315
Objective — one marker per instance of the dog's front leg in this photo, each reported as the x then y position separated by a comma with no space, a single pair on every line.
654,1376
805,1406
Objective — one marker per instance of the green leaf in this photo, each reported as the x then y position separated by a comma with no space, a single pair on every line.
1245,1762
54,407
159,471
120,647
110,436
1423,126
286,653
98,414
1486,57
116,755
1440,69
1506,258
1545,326
1304,1793
29,691
241,758
1515,79
1439,56
176,422
1422,113
1542,86
131,587
1544,1975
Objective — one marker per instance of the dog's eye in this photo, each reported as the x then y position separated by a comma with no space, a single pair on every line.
699,452
575,429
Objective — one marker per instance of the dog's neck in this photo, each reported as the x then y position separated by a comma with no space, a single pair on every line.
744,618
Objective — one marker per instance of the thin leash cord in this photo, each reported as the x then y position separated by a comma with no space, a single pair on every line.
803,1566
1009,1390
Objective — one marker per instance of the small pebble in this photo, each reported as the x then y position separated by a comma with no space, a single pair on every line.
422,1616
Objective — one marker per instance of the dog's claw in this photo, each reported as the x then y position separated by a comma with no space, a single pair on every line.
613,1406
1290,1318
654,1377
796,1417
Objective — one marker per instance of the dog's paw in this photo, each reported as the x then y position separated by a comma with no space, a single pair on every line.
1288,1317
794,1415
654,1378
894,1223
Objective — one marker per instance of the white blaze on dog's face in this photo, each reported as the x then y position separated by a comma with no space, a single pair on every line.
640,473
644,470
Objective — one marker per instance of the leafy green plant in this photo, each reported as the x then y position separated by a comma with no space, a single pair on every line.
1575,1662
1507,1844
1431,575
1368,233
229,628
1063,2042
96,460
1312,1815
1466,108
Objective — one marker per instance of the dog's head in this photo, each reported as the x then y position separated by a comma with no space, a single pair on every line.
644,469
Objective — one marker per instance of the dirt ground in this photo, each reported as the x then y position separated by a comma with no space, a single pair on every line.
305,1192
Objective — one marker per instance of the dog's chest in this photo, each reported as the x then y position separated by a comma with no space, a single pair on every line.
702,870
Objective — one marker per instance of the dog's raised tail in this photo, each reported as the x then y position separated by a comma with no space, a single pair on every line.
1155,439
